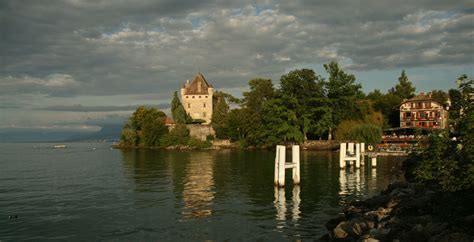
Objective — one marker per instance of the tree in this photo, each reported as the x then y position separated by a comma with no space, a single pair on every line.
177,110
246,124
404,88
367,133
152,131
261,90
450,162
297,88
280,123
342,92
145,127
219,118
455,108
179,135
440,96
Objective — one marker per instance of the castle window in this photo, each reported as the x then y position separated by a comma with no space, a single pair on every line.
193,96
187,96
204,114
189,105
199,96
206,96
204,105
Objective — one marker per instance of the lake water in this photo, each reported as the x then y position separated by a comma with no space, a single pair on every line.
91,192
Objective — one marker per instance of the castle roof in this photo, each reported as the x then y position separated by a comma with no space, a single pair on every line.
199,86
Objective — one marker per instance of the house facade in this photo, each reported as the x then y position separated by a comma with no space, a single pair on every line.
198,98
422,111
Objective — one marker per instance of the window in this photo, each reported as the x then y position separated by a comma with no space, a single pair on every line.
204,114
193,96
199,96
206,96
187,96
204,105
189,105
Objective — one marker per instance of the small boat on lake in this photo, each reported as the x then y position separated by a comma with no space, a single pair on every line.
59,146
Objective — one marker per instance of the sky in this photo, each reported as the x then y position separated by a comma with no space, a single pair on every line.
80,64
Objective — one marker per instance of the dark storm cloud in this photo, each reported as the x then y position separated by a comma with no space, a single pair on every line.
74,47
80,108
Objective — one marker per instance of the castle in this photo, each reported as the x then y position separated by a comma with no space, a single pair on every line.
198,98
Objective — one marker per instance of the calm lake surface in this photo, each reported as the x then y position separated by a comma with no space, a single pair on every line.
91,192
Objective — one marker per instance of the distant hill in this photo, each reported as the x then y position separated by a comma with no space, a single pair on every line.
108,132
25,135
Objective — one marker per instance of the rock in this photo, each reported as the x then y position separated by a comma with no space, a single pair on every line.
332,223
392,203
382,213
370,240
380,234
341,231
435,228
458,237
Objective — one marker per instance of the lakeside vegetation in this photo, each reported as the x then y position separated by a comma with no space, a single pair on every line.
304,106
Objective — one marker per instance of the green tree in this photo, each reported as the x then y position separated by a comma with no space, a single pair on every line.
145,127
177,110
455,108
297,89
235,121
152,131
129,136
246,124
440,96
280,123
404,89
179,135
450,162
367,133
219,119
343,93
261,90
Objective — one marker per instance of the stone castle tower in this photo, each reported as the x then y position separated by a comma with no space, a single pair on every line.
198,98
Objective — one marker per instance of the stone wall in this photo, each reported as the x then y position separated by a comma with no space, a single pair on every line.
200,131
320,145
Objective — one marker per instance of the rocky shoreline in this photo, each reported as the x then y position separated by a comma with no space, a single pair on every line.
406,211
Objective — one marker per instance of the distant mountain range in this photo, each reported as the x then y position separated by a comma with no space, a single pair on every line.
24,135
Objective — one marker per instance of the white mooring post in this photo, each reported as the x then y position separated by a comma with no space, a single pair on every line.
374,162
281,165
348,154
350,149
295,152
362,153
357,156
342,155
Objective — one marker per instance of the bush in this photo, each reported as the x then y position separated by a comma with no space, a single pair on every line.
199,144
367,133
179,135
358,131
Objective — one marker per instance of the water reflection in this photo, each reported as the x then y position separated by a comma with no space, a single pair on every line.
281,206
198,189
352,181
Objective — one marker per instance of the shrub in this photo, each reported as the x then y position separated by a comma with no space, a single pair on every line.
367,133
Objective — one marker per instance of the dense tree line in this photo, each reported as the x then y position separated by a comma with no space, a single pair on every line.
304,106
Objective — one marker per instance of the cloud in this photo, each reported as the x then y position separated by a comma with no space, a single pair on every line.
53,84
81,108
101,48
